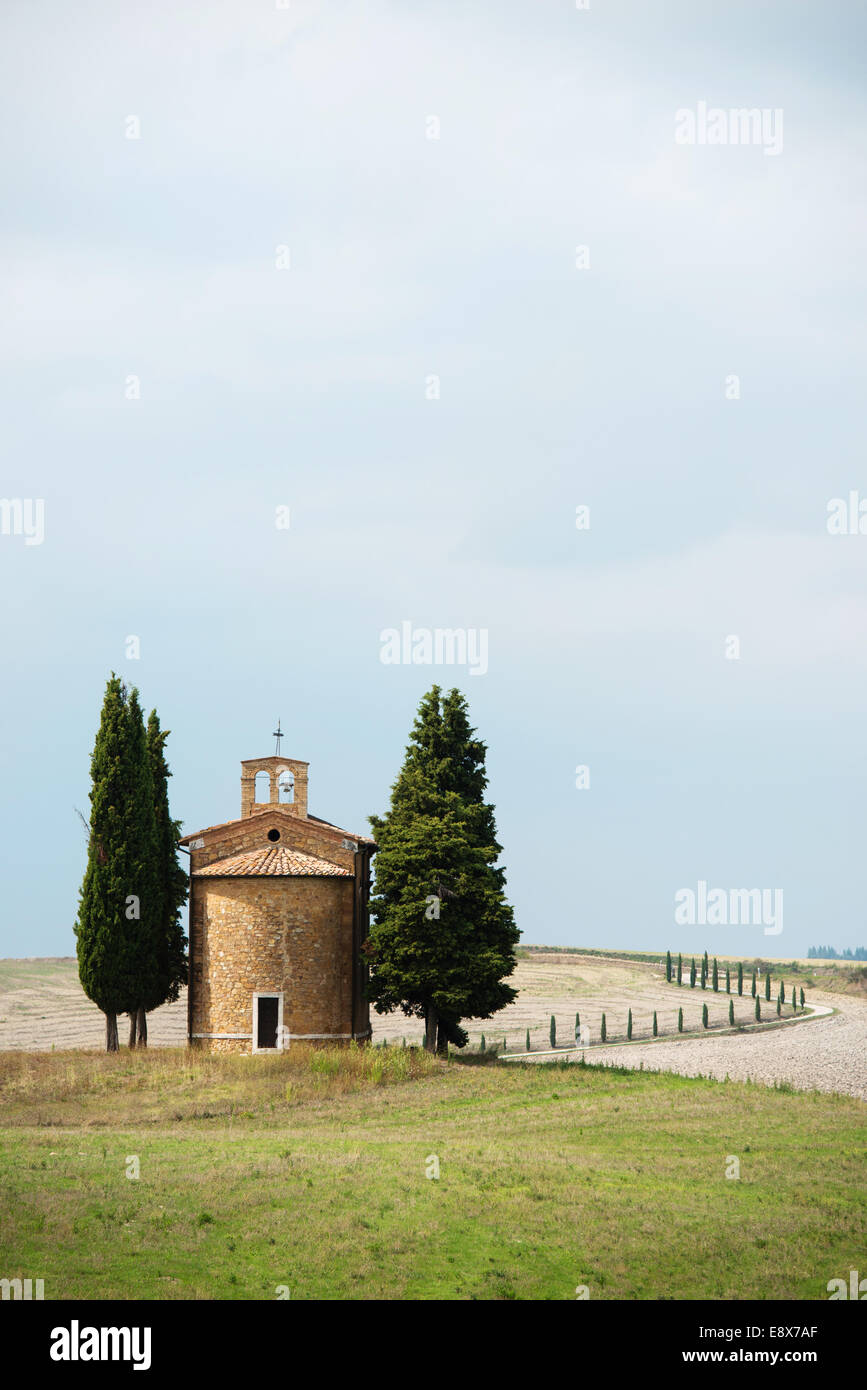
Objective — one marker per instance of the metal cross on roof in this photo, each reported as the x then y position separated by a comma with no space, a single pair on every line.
277,734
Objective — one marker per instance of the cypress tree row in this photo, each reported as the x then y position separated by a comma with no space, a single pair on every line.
438,839
740,977
118,903
668,967
728,981
715,980
704,970
692,974
782,992
768,986
679,967
794,1005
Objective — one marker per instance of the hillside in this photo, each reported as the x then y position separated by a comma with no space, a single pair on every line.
155,1176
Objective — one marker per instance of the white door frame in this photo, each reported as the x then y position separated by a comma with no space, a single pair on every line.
267,994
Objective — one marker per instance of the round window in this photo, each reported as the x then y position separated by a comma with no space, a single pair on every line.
273,834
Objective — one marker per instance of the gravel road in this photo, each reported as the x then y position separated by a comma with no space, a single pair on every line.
823,1054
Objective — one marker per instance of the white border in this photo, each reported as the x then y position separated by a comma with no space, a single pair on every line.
226,1035
296,1037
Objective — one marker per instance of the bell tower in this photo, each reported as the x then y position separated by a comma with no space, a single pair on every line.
274,781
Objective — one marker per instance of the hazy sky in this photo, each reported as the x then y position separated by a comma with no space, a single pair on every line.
169,382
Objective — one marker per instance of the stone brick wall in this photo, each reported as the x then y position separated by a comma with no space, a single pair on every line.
252,833
285,935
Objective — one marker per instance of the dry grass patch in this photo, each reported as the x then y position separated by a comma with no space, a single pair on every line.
88,1088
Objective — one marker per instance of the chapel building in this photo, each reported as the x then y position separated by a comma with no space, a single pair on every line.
278,917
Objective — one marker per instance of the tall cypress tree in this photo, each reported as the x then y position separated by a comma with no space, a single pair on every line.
679,967
715,977
692,974
668,967
443,936
116,904
740,977
144,927
171,886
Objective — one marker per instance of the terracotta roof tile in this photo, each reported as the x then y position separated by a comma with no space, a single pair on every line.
274,862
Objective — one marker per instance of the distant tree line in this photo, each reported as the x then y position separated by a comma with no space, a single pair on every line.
828,953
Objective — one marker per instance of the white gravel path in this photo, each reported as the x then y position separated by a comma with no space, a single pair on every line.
825,1054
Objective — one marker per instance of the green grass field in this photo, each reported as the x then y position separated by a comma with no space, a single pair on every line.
308,1171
